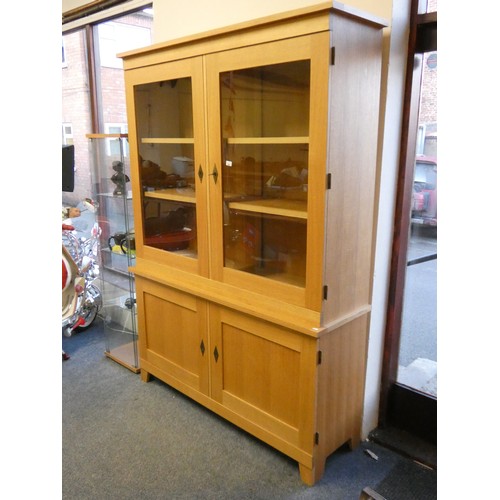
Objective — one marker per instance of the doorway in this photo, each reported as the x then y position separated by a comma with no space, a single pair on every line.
409,378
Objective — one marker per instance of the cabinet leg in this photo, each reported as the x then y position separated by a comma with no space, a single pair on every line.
311,476
145,376
354,442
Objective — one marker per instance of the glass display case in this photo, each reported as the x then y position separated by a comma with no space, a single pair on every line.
110,167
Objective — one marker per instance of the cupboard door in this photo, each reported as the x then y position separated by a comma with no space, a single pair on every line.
173,336
168,144
269,156
266,375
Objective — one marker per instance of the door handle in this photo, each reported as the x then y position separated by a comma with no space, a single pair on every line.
200,173
215,173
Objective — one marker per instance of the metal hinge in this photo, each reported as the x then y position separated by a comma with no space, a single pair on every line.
316,438
332,56
328,181
325,292
319,354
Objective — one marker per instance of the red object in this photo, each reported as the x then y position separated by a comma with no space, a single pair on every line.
178,240
79,322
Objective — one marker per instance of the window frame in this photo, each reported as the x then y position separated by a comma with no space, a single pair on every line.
399,405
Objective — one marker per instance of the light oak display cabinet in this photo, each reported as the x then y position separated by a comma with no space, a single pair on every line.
253,165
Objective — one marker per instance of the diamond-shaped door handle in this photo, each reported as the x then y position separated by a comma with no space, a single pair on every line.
215,174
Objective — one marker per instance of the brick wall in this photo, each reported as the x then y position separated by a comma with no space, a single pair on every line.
76,110
76,102
428,99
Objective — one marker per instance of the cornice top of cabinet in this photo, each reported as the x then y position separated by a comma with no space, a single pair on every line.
317,11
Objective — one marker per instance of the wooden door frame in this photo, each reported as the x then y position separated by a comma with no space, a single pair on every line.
401,406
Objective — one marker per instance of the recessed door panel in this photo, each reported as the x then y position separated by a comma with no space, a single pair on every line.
263,372
173,334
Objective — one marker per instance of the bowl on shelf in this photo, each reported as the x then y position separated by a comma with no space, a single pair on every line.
183,166
177,240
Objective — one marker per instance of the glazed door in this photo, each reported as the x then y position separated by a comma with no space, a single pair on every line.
167,111
267,166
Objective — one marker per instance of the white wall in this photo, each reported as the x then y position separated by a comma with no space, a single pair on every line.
68,5
395,47
174,19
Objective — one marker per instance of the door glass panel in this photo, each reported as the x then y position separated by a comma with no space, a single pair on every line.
265,131
166,164
418,351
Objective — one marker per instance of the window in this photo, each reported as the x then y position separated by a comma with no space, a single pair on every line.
93,91
67,134
112,145
409,378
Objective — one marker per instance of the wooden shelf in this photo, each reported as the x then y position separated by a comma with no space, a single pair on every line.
273,206
184,195
230,140
268,140
167,140
117,196
106,136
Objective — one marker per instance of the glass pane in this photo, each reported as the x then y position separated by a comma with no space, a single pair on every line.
427,6
166,163
418,351
261,244
265,130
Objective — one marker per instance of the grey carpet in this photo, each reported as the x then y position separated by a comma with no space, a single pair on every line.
126,439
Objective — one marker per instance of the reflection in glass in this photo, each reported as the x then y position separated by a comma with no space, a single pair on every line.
418,349
265,131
